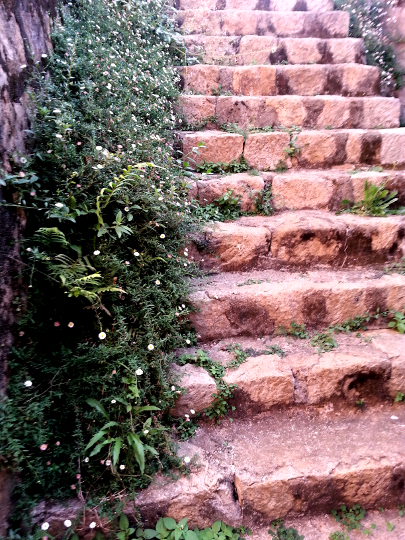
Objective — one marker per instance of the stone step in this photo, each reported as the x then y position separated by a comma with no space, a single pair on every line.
352,80
315,298
298,190
311,112
332,24
315,149
307,462
245,50
371,368
303,238
261,5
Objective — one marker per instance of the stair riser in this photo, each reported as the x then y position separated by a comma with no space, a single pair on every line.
334,24
318,149
261,5
258,311
304,192
304,242
377,484
353,80
319,112
246,50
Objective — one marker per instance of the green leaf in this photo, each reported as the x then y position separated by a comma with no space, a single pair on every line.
160,526
170,523
139,452
124,523
216,527
149,533
146,408
117,450
97,405
190,535
96,438
121,535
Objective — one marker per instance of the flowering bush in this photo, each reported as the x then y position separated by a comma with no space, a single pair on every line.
368,21
107,217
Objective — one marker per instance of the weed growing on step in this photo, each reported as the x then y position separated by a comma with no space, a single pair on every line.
297,330
270,350
239,354
234,167
252,282
401,507
199,125
390,526
324,341
338,536
399,397
168,529
350,518
278,531
396,268
376,201
227,207
264,203
398,322
360,404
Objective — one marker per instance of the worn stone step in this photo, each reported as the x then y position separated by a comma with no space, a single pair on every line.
316,299
371,368
332,24
303,238
246,50
261,5
311,112
307,462
352,80
314,149
298,190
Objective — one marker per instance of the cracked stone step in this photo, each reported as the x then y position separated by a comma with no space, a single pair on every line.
350,80
310,112
316,299
306,462
332,24
261,50
297,190
261,5
372,369
317,149
303,238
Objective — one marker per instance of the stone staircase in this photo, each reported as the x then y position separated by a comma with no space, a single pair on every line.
285,72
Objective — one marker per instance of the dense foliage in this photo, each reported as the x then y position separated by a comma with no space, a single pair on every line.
103,255
368,20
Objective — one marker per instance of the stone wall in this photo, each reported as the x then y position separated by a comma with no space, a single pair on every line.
24,37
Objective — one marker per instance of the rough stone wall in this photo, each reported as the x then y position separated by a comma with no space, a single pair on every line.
396,27
24,36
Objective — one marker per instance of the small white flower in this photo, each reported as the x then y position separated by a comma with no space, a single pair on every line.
273,50
146,431
92,525
187,415
100,166
172,388
188,341
394,417
23,66
56,111
23,160
67,523
102,335
59,205
86,460
139,371
96,252
183,306
187,459
58,135
122,467
44,55
108,462
162,236
99,148
28,383
151,347
192,411
126,209
45,526
113,401
136,254
157,282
